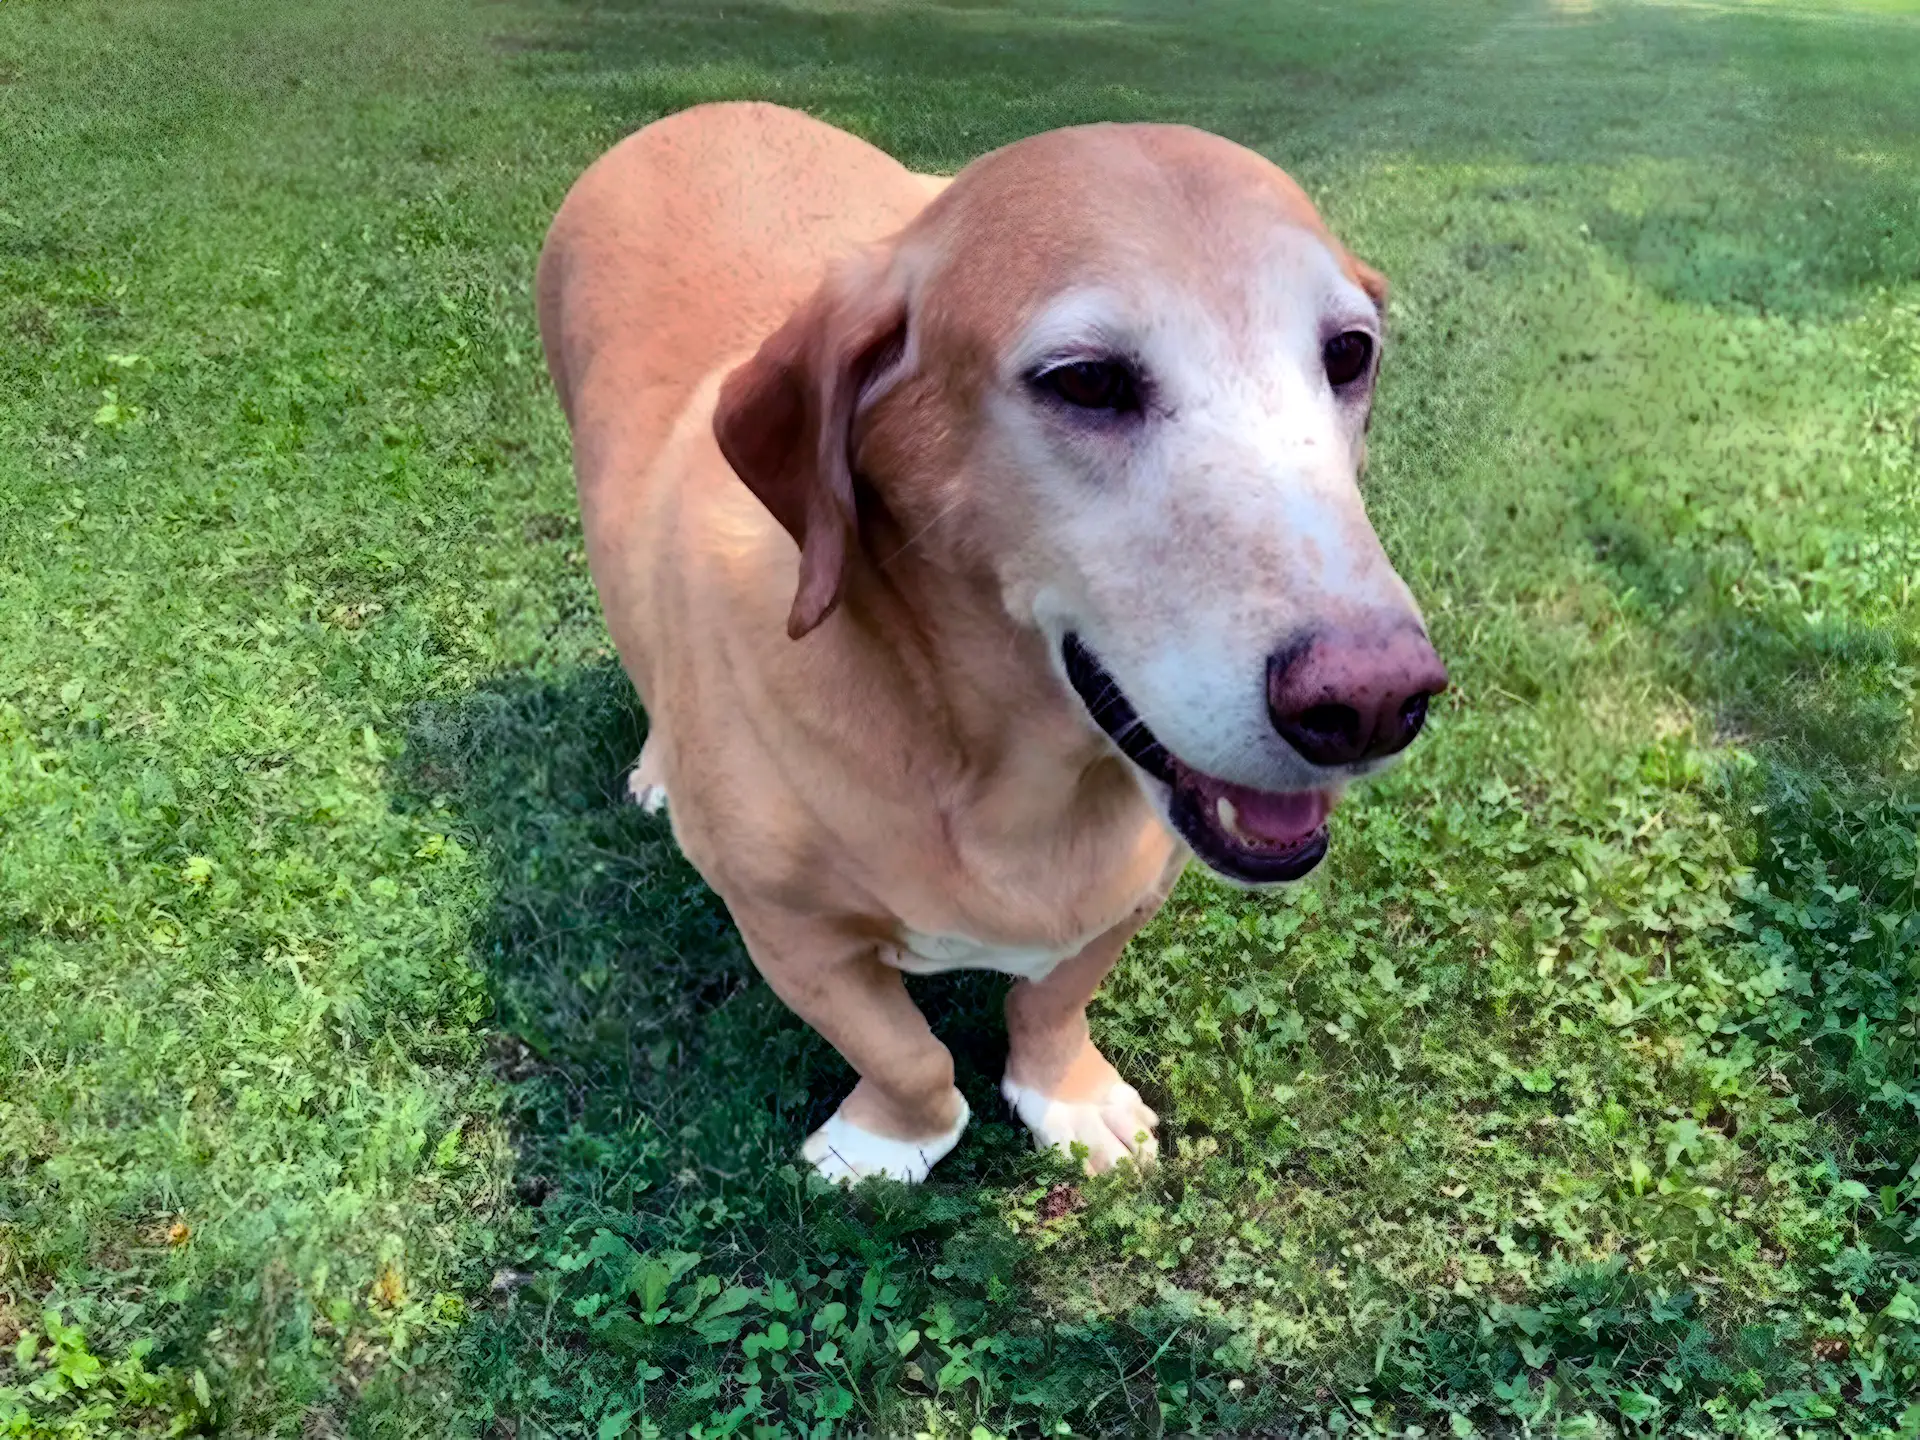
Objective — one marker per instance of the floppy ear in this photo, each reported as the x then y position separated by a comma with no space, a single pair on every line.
785,421
1369,280
1375,284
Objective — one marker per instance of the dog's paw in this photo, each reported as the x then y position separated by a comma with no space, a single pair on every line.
647,781
1114,1127
842,1152
649,795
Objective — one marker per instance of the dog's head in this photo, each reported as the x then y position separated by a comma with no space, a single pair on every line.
1124,372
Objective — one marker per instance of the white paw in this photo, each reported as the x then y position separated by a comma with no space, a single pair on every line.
842,1152
649,796
1115,1127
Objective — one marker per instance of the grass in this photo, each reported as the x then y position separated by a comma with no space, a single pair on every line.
365,1069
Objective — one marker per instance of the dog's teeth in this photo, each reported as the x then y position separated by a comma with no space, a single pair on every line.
1229,817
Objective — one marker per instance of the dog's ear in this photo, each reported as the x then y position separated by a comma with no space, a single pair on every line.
1369,280
1375,284
785,420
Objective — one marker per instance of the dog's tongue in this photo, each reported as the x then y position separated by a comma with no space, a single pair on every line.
1272,819
1279,818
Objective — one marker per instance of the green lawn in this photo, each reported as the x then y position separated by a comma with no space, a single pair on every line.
367,1069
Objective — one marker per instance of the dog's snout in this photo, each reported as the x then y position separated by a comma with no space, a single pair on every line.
1339,700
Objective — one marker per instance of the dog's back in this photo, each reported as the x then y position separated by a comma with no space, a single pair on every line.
686,245
671,259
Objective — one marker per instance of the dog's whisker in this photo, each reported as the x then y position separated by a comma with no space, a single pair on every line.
924,530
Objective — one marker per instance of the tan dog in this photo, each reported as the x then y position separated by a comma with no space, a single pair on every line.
1049,566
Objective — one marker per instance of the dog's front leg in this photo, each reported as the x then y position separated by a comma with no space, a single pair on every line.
905,1113
1057,1081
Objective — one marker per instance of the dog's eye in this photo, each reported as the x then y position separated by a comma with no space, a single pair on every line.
1346,357
1092,385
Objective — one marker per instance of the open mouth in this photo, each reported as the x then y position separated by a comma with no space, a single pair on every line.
1254,836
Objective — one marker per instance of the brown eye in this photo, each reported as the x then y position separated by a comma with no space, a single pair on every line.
1347,356
1092,385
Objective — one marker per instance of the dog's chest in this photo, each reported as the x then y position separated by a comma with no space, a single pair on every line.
919,954
1045,906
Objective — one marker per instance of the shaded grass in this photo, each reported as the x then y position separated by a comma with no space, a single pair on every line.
364,1068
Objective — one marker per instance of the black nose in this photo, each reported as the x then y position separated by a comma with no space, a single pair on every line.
1339,700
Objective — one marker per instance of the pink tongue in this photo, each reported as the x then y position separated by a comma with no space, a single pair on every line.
1279,819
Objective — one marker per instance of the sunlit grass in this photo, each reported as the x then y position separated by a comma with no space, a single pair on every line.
366,1068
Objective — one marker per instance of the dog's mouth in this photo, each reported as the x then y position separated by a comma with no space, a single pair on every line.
1257,837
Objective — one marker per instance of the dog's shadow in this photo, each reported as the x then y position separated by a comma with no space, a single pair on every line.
644,1052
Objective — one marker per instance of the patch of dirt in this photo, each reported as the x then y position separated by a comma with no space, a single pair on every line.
512,1059
534,1191
1060,1201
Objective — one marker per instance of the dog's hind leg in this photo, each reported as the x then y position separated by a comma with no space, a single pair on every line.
647,783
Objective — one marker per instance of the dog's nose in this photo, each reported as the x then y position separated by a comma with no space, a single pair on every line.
1339,700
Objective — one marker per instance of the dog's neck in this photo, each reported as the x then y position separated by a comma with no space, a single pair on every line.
982,684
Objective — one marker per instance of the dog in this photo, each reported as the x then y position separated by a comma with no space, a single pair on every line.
980,550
